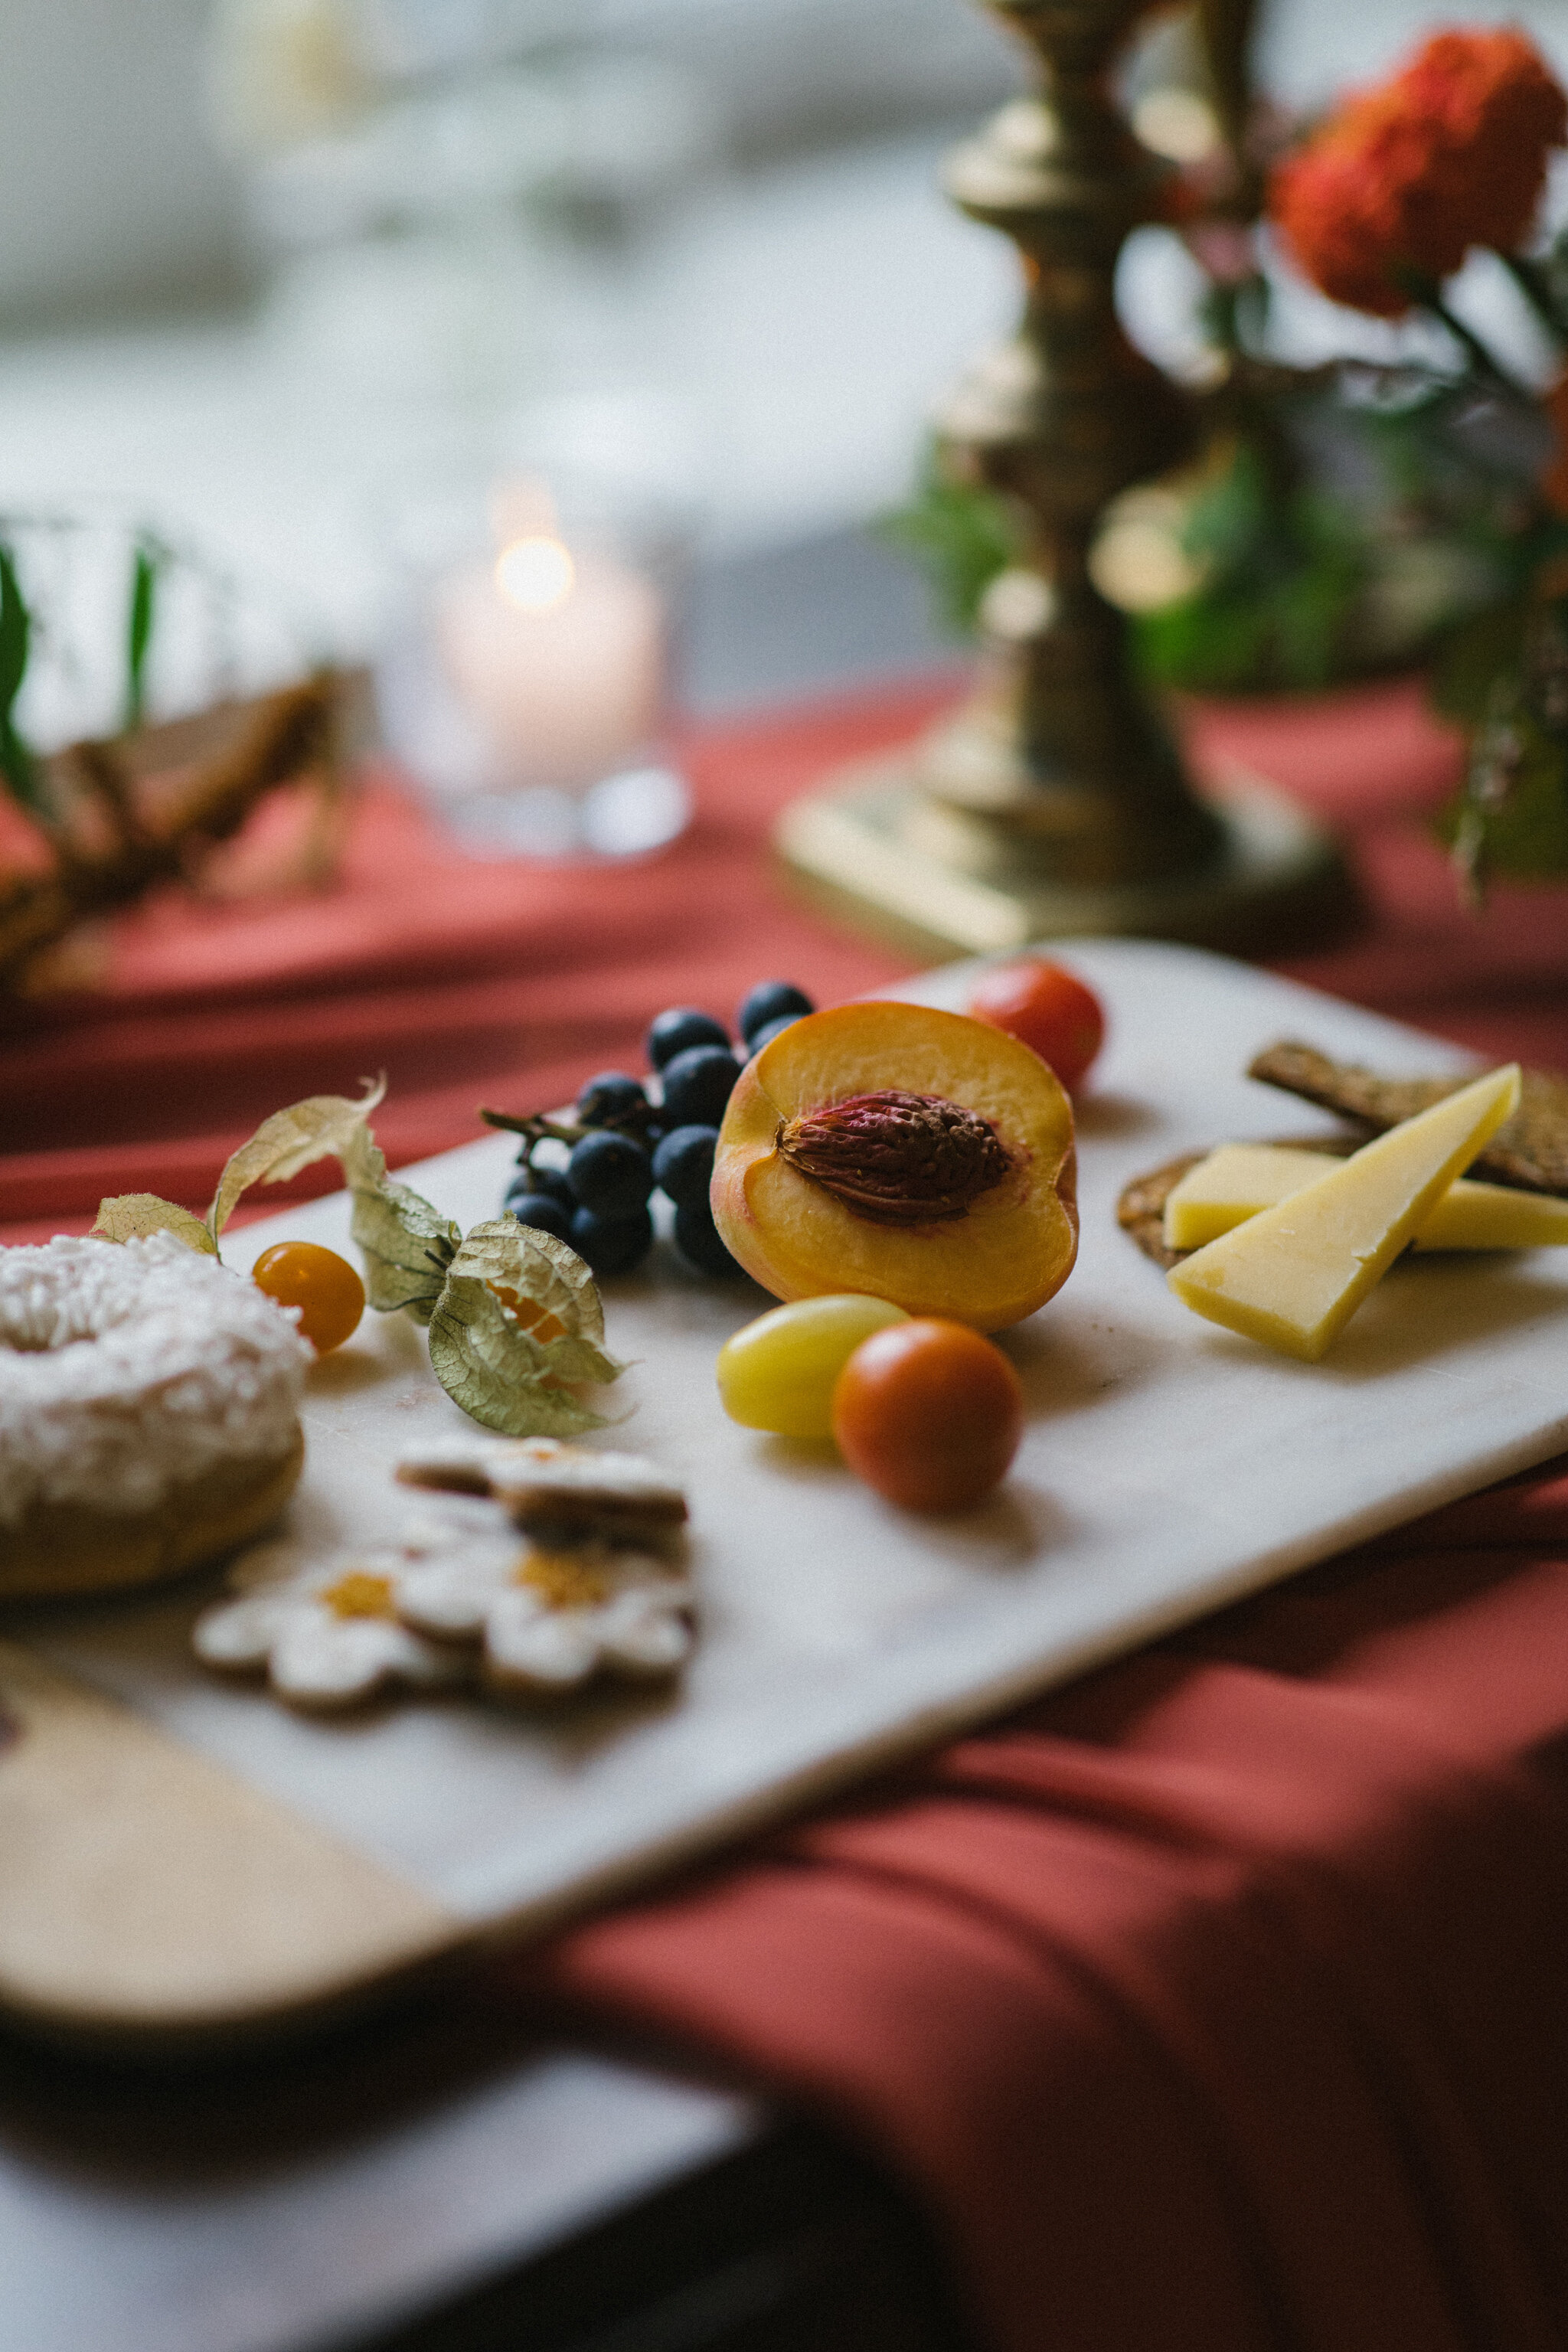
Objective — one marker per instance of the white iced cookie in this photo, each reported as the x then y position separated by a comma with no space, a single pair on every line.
549,1619
149,1413
544,1483
460,1596
326,1633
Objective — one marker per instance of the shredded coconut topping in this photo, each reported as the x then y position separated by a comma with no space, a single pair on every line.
131,1368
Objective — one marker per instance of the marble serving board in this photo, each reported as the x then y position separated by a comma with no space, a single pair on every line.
1168,1467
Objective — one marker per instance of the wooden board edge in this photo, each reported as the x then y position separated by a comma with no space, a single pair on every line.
148,1896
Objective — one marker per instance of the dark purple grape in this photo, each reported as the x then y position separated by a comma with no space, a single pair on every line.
612,1245
697,1086
683,1163
613,1099
680,1028
770,1030
610,1175
550,1181
697,1239
771,999
540,1210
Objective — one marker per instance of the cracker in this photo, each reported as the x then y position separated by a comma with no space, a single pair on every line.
1140,1209
470,1465
545,1485
1529,1151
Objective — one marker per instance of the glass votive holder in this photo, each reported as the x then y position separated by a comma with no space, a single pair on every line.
525,682
140,668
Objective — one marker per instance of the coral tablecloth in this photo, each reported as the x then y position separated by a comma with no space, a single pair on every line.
1218,2002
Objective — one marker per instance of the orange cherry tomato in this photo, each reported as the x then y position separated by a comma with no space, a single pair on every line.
930,1413
1044,1007
321,1284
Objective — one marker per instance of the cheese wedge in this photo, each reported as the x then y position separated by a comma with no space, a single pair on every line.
1294,1274
1239,1178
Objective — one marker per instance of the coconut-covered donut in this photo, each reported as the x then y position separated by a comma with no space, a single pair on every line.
149,1413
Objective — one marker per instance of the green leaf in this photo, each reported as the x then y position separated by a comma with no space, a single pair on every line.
962,534
1475,656
1525,837
322,1126
518,1318
1285,568
130,1216
17,763
139,630
15,631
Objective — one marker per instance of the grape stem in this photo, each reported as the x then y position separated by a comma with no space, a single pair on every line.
537,1128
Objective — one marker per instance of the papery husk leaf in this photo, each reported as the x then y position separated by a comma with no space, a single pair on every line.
406,1244
130,1216
578,1360
519,1316
363,1161
322,1126
538,1267
492,1367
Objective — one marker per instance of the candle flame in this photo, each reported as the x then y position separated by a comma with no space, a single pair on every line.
536,574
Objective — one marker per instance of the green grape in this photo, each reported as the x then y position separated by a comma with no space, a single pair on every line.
778,1372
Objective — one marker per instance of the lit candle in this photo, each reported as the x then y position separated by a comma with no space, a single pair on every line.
559,653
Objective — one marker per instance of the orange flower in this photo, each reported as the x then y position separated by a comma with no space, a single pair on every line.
1401,182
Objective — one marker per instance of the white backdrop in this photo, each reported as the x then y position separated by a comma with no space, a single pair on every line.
112,196
109,194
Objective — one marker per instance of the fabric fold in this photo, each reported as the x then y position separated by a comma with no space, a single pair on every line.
1210,2002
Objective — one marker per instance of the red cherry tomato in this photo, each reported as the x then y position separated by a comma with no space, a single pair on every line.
930,1413
321,1284
1045,1006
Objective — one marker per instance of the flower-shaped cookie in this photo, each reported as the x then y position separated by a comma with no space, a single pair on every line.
326,1633
550,1621
459,1594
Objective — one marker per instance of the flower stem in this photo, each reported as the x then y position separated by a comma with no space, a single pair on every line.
1531,280
1471,343
1427,292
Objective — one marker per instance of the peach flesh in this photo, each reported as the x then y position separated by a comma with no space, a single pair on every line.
1010,1251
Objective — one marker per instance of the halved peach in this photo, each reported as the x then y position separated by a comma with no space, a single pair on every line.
917,1156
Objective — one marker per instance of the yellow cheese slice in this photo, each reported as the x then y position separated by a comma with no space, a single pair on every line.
1294,1274
1239,1178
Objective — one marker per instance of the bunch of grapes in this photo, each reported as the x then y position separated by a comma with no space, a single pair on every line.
630,1135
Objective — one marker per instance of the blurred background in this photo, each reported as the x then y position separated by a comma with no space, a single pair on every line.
267,265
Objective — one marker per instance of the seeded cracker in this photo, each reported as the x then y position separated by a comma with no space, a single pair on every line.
1140,1209
547,1487
1529,1151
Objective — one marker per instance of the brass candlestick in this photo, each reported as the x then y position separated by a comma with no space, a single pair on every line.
1055,802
